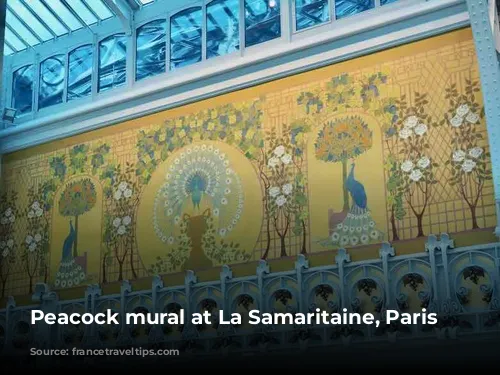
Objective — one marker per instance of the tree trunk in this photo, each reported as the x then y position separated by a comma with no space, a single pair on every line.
132,267
344,187
474,218
120,272
31,284
4,283
283,246
420,226
395,236
268,239
75,244
104,269
304,235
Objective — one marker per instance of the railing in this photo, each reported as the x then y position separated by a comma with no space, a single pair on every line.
459,284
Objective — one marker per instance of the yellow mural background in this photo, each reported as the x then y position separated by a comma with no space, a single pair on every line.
427,66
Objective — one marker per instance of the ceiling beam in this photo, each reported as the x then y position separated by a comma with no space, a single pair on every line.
123,11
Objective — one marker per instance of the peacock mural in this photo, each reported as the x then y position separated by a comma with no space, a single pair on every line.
70,273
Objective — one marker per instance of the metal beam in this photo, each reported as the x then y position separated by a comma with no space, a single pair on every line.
123,11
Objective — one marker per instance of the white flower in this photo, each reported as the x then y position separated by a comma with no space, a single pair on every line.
12,218
122,230
274,191
458,156
117,222
405,133
374,234
280,201
273,162
287,189
127,193
462,110
127,220
39,212
472,118
10,243
35,205
118,195
2,245
38,237
424,162
421,129
407,166
411,122
222,232
31,215
476,152
456,121
5,253
4,220
32,247
286,159
365,239
416,175
468,165
29,239
8,212
279,151
123,186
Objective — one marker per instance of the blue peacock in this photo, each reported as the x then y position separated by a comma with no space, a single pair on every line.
200,177
358,228
70,273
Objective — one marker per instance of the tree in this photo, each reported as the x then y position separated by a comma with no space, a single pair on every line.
341,140
78,198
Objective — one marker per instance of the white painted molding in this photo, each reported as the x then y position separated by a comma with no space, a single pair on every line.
59,125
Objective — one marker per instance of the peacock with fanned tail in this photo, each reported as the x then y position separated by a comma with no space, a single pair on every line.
358,228
70,273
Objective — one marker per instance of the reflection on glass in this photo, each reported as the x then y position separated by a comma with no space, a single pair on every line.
185,37
150,49
262,21
310,13
112,62
80,72
223,31
22,89
383,2
52,73
345,8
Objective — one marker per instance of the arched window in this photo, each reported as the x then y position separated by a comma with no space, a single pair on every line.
52,75
80,63
112,62
185,37
223,27
150,53
345,8
309,13
22,89
262,21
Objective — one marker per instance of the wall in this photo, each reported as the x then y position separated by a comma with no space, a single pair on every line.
388,147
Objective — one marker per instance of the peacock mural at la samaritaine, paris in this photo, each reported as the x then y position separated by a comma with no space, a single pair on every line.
383,148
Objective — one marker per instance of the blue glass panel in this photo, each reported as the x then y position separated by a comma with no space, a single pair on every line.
27,16
17,25
383,2
223,27
151,48
80,72
262,21
13,40
99,8
185,37
52,74
112,61
7,50
49,18
68,18
22,89
309,13
82,11
345,8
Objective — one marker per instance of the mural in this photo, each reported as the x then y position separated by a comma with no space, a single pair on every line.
391,147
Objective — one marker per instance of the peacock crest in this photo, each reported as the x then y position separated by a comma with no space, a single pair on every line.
198,177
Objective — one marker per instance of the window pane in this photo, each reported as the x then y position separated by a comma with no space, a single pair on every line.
223,31
99,8
80,72
68,18
185,37
383,2
38,8
310,13
151,48
51,81
22,89
82,11
345,8
112,62
262,21
17,25
7,50
13,40
27,16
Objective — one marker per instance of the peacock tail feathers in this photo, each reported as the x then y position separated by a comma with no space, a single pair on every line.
70,274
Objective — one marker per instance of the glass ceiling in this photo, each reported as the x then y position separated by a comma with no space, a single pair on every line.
32,22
